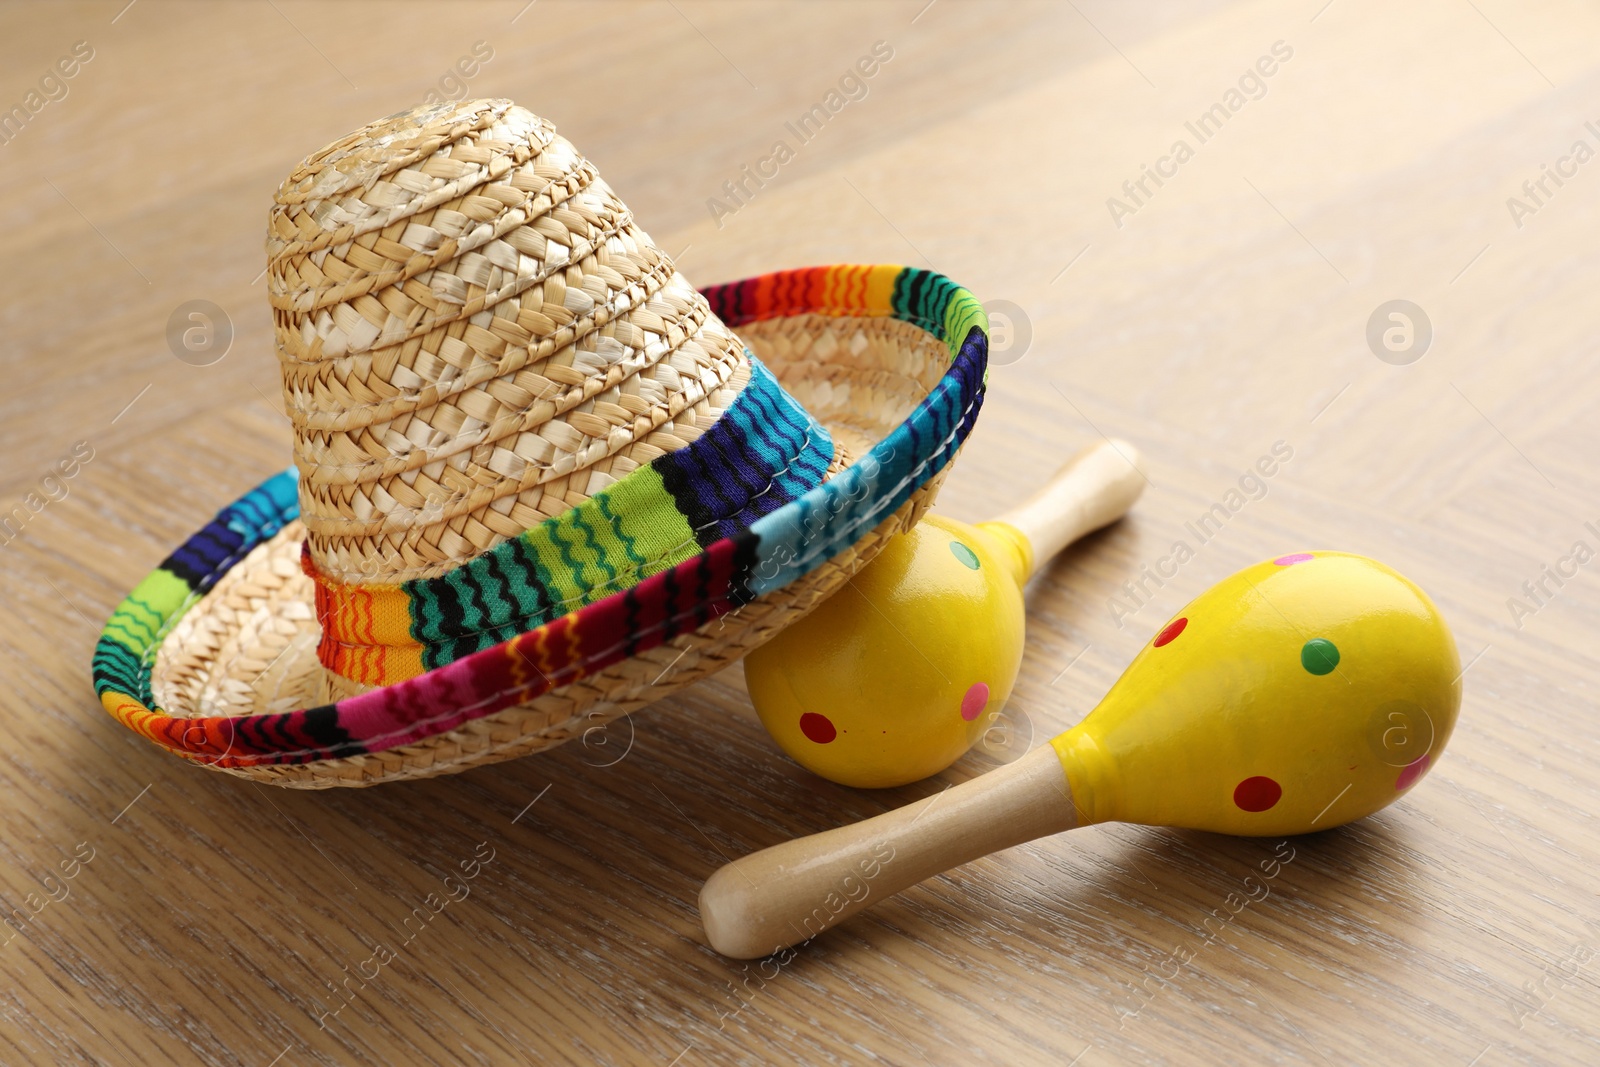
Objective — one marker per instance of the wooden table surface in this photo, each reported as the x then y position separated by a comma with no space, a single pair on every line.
1207,318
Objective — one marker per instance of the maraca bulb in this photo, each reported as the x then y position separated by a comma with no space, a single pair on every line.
1297,695
896,675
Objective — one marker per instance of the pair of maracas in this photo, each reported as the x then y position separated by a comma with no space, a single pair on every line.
1299,694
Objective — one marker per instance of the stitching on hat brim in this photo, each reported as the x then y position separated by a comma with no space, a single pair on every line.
381,742
583,595
123,705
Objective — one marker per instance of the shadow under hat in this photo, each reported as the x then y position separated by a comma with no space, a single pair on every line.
539,481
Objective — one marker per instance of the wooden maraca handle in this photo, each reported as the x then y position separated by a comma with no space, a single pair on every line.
1096,487
791,892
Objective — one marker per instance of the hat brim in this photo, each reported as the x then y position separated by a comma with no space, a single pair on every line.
229,611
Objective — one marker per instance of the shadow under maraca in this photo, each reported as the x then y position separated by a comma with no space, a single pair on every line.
1164,900
613,855
1122,903
1195,870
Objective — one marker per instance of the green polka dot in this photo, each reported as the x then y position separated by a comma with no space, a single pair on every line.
964,554
1319,656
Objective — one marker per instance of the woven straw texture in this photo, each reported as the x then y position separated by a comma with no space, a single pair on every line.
474,336
249,645
479,349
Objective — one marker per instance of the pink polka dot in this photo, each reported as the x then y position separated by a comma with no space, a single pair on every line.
1411,772
1291,560
973,702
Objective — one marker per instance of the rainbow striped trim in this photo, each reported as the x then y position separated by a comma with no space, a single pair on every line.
762,452
741,563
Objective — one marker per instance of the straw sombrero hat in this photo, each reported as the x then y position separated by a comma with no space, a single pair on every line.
539,482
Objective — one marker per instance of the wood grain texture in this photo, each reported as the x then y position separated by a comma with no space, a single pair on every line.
792,892
1093,489
1225,314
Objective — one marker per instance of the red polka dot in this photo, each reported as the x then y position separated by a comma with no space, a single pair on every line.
1257,794
974,700
1411,772
1291,560
818,728
1174,628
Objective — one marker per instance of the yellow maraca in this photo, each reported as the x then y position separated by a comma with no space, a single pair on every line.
1297,695
899,672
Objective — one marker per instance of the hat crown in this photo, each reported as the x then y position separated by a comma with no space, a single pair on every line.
344,184
475,336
